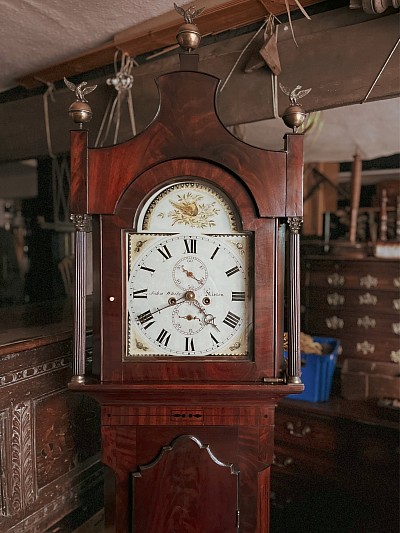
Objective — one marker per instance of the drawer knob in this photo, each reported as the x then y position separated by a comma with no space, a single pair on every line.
396,304
297,430
368,281
285,463
335,280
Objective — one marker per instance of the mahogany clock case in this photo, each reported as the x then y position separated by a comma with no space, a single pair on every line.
268,247
187,139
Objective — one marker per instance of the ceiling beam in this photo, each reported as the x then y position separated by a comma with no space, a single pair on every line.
160,32
331,58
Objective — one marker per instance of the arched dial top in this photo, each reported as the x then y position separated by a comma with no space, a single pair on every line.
188,294
189,204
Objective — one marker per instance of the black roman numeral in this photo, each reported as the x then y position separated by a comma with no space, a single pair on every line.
145,318
148,269
231,320
238,296
163,337
164,251
141,293
214,339
191,246
215,252
232,271
189,344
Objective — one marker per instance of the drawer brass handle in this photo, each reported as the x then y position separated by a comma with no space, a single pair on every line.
366,322
367,299
395,356
396,328
368,281
334,322
285,463
297,430
335,299
335,280
365,347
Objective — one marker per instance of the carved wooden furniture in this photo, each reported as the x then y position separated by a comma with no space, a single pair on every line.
355,300
186,430
335,468
49,441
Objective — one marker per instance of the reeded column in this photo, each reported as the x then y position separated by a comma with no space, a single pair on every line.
294,355
83,226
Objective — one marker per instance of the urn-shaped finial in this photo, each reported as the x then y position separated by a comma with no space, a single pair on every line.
294,115
80,110
188,35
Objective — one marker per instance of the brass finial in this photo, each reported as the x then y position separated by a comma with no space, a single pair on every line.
188,35
294,115
80,111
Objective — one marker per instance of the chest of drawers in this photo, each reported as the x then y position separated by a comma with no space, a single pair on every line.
355,300
335,468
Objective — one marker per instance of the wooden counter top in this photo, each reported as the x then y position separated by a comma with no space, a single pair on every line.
28,326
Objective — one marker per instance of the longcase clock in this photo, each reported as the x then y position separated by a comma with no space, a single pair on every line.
193,232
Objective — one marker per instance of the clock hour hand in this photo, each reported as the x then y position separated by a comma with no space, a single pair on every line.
172,301
190,274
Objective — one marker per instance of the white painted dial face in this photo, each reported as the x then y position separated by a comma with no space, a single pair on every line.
188,295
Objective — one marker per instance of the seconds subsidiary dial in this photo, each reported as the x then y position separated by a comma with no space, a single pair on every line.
188,295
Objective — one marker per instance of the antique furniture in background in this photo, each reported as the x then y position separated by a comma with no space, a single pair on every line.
49,437
335,467
356,300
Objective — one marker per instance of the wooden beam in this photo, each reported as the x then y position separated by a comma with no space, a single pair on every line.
160,32
334,61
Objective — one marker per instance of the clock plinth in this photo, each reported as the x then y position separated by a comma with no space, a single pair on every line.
189,232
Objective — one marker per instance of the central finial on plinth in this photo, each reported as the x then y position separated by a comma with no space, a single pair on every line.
188,35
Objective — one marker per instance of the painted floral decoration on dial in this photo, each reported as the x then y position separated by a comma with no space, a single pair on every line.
187,295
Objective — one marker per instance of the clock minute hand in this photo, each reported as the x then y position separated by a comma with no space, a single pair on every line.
208,318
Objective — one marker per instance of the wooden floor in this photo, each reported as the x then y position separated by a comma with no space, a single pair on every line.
94,525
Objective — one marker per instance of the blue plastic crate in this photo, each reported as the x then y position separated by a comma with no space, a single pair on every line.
317,372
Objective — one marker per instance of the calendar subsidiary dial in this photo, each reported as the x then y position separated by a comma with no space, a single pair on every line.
188,295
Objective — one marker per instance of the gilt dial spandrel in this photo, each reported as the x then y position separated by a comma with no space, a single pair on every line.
188,295
188,206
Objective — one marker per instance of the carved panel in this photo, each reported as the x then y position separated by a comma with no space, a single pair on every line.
4,509
63,421
22,473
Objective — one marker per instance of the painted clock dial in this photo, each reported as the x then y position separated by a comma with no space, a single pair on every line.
188,205
188,294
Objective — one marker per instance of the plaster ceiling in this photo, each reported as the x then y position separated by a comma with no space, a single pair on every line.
371,129
38,33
